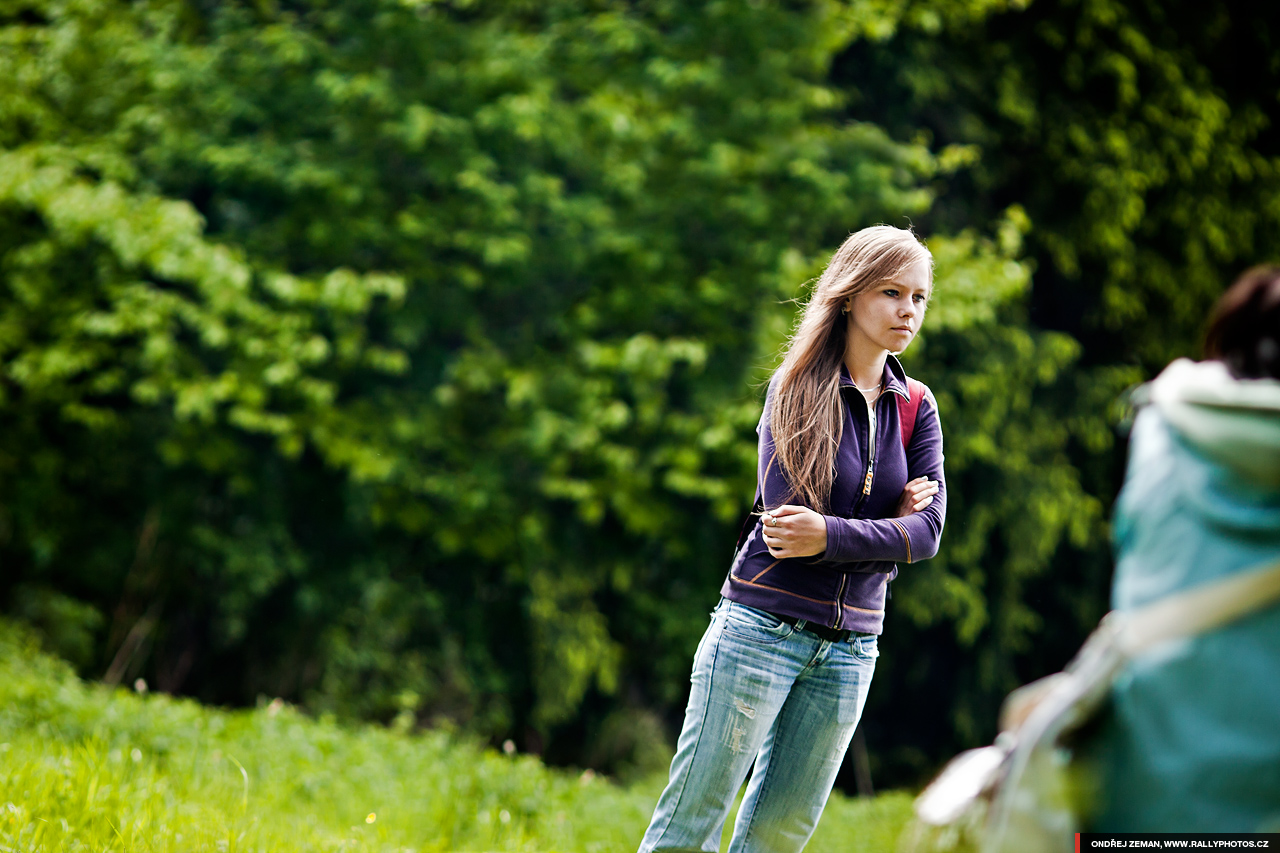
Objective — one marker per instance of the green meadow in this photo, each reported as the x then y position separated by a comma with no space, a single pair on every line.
84,767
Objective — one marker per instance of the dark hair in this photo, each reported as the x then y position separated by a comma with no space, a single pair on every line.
1244,329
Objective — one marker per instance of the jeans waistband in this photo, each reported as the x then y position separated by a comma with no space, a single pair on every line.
834,635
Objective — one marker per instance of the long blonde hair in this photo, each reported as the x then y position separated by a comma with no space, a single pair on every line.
806,420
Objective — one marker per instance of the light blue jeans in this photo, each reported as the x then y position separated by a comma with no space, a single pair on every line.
767,692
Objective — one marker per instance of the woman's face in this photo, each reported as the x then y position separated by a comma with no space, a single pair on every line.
888,316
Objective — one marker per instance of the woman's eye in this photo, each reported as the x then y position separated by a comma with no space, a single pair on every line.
892,294
920,298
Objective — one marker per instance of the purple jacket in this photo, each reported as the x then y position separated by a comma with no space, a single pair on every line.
846,586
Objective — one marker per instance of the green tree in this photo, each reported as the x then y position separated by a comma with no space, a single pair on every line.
1138,139
479,487
404,357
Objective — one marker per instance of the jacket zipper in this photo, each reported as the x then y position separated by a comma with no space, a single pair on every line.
871,444
866,490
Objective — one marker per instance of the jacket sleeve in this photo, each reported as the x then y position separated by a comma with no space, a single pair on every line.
899,540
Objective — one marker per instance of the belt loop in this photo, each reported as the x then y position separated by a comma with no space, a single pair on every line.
800,623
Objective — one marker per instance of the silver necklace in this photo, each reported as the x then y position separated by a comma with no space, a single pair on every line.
876,389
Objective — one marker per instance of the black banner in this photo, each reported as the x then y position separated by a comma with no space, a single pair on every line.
1100,841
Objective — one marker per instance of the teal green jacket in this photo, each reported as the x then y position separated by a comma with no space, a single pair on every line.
1192,740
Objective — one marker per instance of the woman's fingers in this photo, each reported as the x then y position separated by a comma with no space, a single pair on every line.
793,531
917,495
777,540
920,488
776,520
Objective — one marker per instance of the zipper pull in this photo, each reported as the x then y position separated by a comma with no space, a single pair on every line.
866,485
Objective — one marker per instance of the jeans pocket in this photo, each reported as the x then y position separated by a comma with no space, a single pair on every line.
758,626
866,647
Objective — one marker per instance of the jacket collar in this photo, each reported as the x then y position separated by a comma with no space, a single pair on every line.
895,378
1235,422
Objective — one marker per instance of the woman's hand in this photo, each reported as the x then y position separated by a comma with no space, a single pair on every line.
794,531
917,495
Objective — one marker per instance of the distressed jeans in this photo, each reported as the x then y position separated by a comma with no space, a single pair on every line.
766,692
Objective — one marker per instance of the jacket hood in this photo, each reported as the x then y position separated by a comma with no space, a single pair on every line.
1235,422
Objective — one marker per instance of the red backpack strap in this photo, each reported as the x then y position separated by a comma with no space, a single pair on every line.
908,409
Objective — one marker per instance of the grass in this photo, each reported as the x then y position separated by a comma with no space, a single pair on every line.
87,768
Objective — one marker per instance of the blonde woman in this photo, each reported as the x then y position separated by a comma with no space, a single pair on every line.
850,484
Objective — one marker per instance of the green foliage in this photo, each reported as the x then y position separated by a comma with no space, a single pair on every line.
402,359
1137,136
1007,477
65,625
964,619
158,305
1137,140
494,483
96,769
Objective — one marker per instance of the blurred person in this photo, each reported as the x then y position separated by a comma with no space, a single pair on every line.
1191,742
850,482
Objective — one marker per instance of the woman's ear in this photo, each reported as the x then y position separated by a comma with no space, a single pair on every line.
848,306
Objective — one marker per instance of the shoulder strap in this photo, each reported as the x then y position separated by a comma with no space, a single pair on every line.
908,409
1069,699
990,781
1201,609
